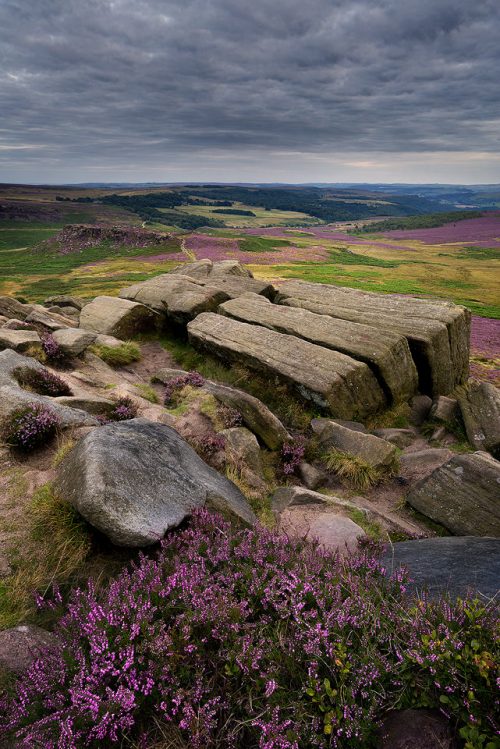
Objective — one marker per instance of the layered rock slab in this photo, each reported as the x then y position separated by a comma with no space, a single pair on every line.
463,495
116,317
480,407
386,353
438,333
333,381
134,480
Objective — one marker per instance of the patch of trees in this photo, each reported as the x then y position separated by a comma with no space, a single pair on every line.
233,212
427,221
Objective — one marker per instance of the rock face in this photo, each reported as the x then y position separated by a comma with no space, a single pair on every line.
73,341
13,396
177,297
463,495
134,480
373,450
10,307
457,566
120,318
386,353
331,380
480,408
205,268
437,332
19,340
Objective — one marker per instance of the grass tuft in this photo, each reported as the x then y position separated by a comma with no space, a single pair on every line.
117,356
354,470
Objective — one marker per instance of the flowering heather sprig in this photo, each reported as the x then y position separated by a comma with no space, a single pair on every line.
30,426
41,381
123,409
292,453
229,417
177,383
209,445
249,639
51,348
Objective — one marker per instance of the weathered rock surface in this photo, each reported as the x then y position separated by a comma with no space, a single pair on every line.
373,450
242,446
14,324
294,496
91,403
10,307
237,286
49,320
454,565
463,495
64,300
116,317
437,332
134,480
13,396
205,268
331,380
386,353
416,729
420,409
21,645
417,465
314,520
73,341
400,437
255,414
19,340
178,297
480,408
310,476
444,409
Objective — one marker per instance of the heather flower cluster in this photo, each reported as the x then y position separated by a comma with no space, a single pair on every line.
30,426
209,446
194,379
123,410
292,454
229,417
249,640
41,381
51,349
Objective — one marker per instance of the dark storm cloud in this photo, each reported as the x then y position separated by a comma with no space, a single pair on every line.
128,82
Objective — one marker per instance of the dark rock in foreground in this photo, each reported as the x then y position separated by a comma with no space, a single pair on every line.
449,565
416,729
134,480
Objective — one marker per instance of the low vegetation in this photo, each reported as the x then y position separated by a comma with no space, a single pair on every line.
29,426
117,356
427,221
248,639
41,381
355,471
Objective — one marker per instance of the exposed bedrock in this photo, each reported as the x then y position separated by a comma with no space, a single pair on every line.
344,387
386,353
437,332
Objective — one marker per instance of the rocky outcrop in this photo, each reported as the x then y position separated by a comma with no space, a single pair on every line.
13,396
331,380
116,317
373,450
437,332
463,495
48,320
454,566
64,300
134,480
205,268
480,408
10,307
177,297
73,341
386,353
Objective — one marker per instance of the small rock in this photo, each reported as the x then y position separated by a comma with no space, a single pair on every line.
64,300
15,324
420,409
416,729
311,476
444,409
108,340
19,340
49,320
418,465
92,404
20,646
400,437
242,445
375,451
439,434
73,341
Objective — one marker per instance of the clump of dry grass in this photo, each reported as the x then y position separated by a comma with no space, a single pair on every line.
355,471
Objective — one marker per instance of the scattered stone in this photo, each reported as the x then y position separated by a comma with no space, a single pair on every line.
453,565
243,447
19,340
92,404
49,320
420,409
177,297
480,408
21,645
373,450
417,465
386,353
73,341
134,480
205,268
257,416
462,495
311,476
64,300
400,437
116,317
438,332
416,729
167,374
444,409
331,380
14,324
10,307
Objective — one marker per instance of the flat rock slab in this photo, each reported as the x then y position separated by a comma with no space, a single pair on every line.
116,317
385,352
463,495
419,464
10,307
177,297
438,332
480,407
19,340
331,530
455,565
237,286
204,268
134,480
73,341
49,320
373,450
331,380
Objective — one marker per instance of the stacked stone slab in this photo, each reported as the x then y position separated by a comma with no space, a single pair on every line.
337,383
437,332
385,352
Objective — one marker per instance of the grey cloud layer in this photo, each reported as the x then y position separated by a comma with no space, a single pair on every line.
116,80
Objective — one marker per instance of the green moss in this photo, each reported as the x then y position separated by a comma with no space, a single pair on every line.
117,356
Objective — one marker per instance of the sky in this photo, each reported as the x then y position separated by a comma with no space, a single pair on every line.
250,91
